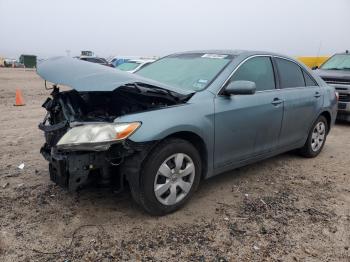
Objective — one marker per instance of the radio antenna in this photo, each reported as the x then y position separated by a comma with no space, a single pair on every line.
318,52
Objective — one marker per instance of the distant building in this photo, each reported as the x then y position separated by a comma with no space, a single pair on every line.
29,61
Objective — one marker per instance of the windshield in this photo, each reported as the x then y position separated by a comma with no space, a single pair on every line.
128,66
187,71
337,62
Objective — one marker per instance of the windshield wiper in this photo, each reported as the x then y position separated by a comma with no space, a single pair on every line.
135,86
142,88
159,90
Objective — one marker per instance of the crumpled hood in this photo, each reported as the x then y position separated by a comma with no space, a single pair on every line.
86,76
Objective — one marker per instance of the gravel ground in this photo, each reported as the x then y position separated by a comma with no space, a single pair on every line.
283,209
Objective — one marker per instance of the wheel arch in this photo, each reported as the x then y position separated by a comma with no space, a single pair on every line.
198,142
328,117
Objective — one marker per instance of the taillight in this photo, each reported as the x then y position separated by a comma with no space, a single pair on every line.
337,95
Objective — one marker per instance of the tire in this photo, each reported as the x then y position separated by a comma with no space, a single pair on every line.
310,149
162,160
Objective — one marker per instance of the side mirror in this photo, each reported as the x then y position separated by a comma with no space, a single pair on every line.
240,87
314,67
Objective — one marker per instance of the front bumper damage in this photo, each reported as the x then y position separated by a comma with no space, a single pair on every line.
98,95
100,164
75,169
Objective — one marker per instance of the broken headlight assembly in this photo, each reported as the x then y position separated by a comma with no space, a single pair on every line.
96,136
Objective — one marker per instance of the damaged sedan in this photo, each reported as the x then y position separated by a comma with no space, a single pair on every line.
184,118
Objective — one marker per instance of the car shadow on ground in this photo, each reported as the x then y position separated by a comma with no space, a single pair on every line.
209,190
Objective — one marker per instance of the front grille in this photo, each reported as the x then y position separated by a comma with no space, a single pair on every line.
336,81
344,97
341,88
341,106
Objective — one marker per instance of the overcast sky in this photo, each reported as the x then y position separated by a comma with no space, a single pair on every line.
158,27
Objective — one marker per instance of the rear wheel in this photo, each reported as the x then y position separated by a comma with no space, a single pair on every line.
316,139
169,176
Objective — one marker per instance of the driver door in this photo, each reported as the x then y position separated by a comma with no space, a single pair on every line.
247,126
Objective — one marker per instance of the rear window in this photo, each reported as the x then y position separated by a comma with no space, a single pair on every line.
309,81
290,74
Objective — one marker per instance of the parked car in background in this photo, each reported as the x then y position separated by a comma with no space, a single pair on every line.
117,60
186,117
12,63
97,60
18,65
336,72
133,65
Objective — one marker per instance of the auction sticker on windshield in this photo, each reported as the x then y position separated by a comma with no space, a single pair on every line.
199,84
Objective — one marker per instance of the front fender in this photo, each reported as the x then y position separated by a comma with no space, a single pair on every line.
196,116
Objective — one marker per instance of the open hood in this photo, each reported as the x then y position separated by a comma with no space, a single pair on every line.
86,76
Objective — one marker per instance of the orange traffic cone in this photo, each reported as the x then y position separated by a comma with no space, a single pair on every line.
19,98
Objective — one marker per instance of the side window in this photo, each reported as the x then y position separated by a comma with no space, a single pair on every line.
309,81
258,70
290,74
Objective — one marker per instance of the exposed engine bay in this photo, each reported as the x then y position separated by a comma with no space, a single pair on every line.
105,106
71,169
72,106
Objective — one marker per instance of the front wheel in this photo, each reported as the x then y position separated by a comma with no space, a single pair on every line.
169,176
316,139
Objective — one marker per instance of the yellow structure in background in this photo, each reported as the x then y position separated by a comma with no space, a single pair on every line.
312,61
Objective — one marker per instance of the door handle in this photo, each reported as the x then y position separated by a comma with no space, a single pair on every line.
317,95
276,101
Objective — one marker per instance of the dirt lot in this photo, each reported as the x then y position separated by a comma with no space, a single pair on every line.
282,209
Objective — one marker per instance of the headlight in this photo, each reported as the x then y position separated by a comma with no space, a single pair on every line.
98,133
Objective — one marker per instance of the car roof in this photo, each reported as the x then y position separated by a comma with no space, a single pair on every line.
235,52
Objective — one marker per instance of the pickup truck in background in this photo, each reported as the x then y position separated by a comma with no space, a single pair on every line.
336,72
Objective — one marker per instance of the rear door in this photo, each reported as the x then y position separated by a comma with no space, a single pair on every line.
248,125
302,101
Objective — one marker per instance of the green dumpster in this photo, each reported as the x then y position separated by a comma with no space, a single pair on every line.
29,61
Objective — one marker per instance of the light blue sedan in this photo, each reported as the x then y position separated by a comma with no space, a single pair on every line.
186,117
